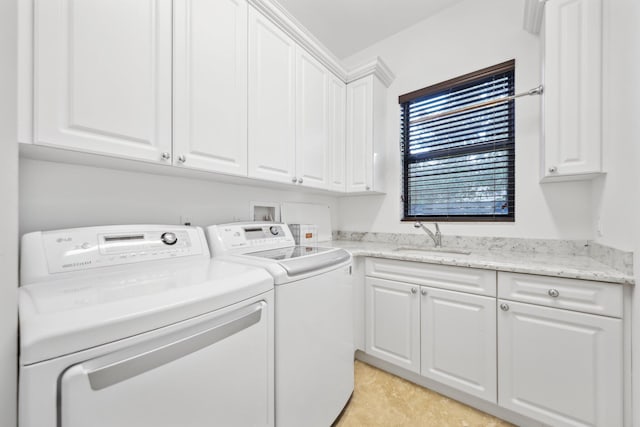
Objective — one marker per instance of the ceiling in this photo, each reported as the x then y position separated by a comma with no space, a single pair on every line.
348,26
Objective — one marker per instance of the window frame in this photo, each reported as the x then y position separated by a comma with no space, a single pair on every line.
404,100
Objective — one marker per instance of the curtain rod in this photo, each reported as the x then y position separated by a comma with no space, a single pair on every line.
535,91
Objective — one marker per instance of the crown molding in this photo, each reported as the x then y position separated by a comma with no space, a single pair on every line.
294,29
376,67
533,15
275,12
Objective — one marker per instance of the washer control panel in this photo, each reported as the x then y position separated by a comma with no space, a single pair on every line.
84,248
248,237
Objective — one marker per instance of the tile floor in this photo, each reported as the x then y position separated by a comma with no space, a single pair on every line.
382,399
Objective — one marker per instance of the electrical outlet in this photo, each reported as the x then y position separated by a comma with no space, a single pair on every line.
185,219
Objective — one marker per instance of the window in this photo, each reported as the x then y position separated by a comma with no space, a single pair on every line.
461,166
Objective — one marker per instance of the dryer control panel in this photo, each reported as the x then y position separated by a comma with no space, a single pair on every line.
240,238
78,249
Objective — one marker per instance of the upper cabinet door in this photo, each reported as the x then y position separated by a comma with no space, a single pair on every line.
210,85
572,95
103,76
360,135
271,101
312,130
337,134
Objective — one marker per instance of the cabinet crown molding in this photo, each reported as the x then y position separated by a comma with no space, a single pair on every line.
533,15
275,12
376,67
294,29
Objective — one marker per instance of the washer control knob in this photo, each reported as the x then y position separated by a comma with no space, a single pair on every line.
274,230
169,238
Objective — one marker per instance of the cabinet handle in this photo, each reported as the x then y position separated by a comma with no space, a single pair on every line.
294,179
182,158
504,306
414,290
423,292
300,180
553,169
166,156
554,293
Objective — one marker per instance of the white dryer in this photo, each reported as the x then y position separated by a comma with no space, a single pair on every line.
135,326
313,318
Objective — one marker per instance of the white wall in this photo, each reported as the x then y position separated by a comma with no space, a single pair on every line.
57,195
8,214
469,36
616,197
613,194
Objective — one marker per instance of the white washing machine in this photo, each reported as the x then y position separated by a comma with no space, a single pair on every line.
313,318
135,326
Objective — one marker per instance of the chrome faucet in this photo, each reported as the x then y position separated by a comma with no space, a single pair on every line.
437,237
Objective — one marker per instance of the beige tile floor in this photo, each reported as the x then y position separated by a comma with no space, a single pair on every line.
382,399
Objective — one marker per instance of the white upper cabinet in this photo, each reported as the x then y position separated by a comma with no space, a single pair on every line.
210,85
365,135
102,76
337,134
271,101
312,121
572,97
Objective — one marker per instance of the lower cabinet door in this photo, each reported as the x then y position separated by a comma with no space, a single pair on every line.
459,341
393,322
560,367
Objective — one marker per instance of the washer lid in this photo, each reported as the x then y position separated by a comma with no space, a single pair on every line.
65,316
297,260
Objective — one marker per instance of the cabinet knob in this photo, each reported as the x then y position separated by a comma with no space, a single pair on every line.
294,179
414,290
166,156
553,169
300,180
182,158
554,293
368,188
423,291
504,306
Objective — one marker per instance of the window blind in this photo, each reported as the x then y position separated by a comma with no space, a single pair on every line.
461,166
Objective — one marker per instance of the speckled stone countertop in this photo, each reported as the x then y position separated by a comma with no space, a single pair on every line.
574,266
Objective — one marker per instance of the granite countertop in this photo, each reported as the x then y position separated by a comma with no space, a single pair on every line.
548,264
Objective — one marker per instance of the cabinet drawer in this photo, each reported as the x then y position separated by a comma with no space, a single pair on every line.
572,294
463,279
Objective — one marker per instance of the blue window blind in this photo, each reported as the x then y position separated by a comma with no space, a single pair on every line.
460,167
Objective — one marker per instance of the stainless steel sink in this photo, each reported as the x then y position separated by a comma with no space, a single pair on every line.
433,251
